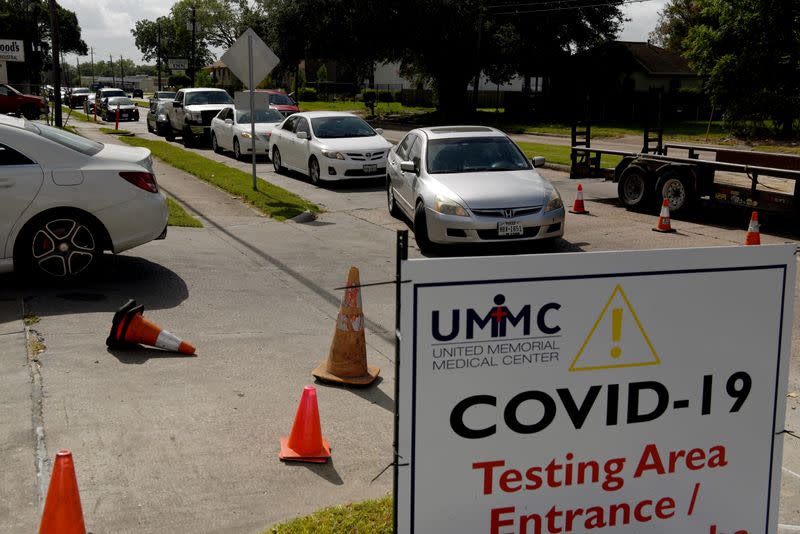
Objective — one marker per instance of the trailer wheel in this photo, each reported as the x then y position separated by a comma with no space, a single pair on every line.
677,188
634,189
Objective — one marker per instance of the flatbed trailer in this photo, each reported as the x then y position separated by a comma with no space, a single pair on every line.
647,177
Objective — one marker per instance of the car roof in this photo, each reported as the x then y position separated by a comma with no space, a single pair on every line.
193,89
110,89
449,132
8,120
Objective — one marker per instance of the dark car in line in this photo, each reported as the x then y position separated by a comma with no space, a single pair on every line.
78,96
157,120
128,111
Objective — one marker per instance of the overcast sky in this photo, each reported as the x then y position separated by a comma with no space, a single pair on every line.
106,24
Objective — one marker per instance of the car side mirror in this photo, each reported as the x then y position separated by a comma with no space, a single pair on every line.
408,166
302,135
538,161
228,121
379,131
177,105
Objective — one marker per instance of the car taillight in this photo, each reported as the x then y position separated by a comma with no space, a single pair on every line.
142,180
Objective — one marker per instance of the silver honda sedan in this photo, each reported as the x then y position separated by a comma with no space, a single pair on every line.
470,184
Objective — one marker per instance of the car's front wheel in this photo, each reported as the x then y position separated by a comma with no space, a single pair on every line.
421,229
313,170
237,150
60,246
277,164
214,144
394,211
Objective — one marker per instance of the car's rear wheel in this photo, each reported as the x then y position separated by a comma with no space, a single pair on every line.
313,170
276,159
676,187
214,145
421,228
635,190
237,150
60,246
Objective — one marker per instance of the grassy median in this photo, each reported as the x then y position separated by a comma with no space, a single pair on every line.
368,517
180,217
74,115
270,199
559,154
112,131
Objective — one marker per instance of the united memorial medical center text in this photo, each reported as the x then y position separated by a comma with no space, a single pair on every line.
495,354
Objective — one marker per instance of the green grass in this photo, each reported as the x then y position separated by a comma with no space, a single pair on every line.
70,129
112,131
560,154
270,199
74,115
794,150
368,517
142,103
179,217
381,108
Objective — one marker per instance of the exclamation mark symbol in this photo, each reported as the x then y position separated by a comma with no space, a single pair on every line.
616,331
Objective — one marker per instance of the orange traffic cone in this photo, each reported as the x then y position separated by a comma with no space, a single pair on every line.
62,509
663,219
129,327
347,359
753,236
305,442
577,206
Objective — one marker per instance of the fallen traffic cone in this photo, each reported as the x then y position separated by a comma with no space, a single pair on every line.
753,236
663,219
62,509
577,206
305,442
130,327
347,359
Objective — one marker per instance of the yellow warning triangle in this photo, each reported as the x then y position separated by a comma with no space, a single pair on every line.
616,340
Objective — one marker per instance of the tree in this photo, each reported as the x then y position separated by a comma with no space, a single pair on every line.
322,73
748,52
674,22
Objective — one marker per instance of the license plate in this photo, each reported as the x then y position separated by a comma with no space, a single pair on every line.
370,168
507,228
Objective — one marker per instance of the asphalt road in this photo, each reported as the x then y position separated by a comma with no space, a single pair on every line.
190,444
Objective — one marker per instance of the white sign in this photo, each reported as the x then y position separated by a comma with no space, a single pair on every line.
635,392
178,64
241,100
12,50
237,58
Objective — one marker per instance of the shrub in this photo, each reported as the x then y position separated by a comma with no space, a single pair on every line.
398,96
369,95
385,96
307,94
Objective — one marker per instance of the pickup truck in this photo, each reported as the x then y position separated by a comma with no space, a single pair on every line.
12,101
191,111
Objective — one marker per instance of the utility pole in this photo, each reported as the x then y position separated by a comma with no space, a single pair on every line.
78,69
478,60
113,77
122,72
56,44
91,52
194,46
158,51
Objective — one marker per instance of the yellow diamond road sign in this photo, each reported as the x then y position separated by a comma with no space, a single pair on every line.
616,340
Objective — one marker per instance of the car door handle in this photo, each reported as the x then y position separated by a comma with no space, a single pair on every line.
9,182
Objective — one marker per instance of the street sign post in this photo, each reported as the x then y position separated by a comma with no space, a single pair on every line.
611,392
250,60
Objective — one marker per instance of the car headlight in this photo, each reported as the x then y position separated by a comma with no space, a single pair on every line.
332,154
162,117
448,206
247,135
555,202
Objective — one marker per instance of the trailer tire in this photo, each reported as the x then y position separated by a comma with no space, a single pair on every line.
635,189
676,187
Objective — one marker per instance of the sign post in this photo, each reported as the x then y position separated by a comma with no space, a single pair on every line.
623,392
250,59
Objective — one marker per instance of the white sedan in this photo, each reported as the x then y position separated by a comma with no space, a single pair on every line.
64,199
327,145
230,130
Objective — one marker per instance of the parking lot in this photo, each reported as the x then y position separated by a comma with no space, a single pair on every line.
162,442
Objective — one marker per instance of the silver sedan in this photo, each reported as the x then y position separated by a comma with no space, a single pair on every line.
470,184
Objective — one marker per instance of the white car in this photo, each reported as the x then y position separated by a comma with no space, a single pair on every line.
327,145
230,130
64,199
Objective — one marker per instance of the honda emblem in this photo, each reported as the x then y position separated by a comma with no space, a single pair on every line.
508,213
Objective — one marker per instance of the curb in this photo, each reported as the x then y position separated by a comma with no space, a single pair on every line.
557,167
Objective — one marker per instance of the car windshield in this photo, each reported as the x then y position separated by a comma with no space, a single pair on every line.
339,127
80,91
108,94
261,115
208,97
121,100
64,138
165,95
474,154
280,100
